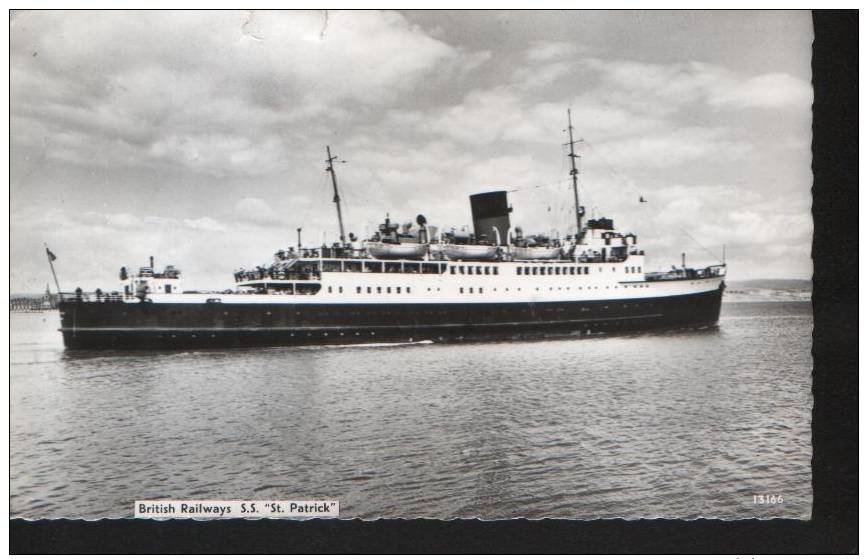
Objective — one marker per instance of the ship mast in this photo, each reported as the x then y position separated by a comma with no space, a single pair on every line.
575,174
337,198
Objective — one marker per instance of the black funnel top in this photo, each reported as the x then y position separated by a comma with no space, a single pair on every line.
490,213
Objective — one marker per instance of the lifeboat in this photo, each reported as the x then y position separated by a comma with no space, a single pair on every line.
534,247
536,253
410,251
388,243
468,252
462,245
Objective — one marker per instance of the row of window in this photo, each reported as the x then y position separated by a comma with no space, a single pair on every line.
399,289
568,288
439,267
566,270
469,270
379,266
436,268
380,289
552,270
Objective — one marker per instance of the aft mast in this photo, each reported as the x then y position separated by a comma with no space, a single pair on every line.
337,199
575,174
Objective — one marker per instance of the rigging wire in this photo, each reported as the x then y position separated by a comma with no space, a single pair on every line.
535,186
715,256
646,210
312,200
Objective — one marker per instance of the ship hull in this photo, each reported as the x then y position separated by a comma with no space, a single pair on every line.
119,325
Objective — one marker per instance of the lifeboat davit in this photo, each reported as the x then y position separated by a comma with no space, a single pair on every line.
536,253
391,251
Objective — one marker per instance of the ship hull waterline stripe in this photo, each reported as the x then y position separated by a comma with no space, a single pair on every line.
358,327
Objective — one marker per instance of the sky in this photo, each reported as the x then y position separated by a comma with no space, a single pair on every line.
199,137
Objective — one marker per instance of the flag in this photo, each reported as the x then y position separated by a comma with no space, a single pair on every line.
51,256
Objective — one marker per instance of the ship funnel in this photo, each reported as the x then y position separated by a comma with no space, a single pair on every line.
490,215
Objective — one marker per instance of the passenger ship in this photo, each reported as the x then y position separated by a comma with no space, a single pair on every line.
407,283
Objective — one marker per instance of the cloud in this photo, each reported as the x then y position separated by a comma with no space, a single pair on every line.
674,148
199,136
205,224
203,68
547,50
542,75
765,91
690,82
360,55
220,154
255,210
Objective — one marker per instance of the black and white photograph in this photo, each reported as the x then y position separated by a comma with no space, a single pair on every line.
411,264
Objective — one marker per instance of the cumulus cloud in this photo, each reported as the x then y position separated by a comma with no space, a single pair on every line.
182,72
199,136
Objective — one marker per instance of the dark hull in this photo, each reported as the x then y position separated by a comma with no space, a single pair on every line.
116,325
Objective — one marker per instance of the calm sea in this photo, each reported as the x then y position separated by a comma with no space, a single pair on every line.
679,425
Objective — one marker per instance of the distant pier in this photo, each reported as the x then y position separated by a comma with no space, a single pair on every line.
46,302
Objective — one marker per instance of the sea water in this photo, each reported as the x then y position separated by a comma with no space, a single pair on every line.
681,424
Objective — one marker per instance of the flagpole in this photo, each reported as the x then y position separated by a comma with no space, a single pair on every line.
51,258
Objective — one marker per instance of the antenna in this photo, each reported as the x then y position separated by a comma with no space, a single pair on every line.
337,198
575,174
